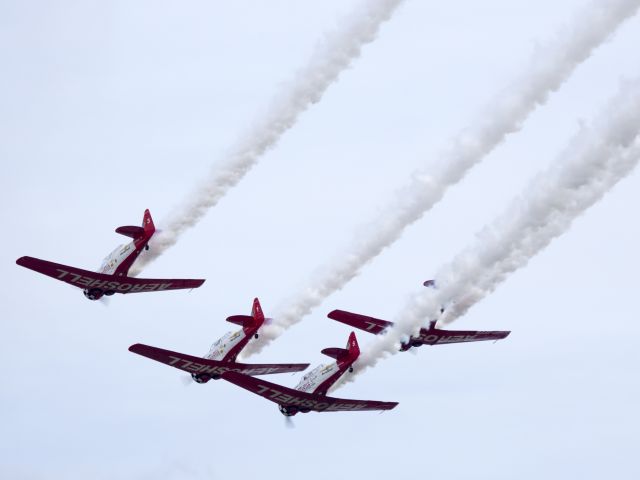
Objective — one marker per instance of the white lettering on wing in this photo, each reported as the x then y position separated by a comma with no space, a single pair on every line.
85,281
98,284
91,282
63,273
295,401
337,407
457,338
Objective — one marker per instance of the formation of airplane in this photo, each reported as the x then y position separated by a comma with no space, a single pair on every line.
112,277
223,353
310,395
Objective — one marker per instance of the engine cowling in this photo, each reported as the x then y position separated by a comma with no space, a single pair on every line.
287,411
199,378
93,293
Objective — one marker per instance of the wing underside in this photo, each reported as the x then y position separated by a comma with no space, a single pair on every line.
428,336
204,366
86,279
437,336
303,401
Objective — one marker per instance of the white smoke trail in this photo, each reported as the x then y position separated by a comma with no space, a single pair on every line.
337,52
549,68
595,160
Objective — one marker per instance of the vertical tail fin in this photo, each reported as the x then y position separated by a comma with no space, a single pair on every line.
256,311
147,223
352,346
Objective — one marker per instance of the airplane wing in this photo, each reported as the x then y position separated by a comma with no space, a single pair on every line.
205,366
430,336
363,322
436,336
303,401
86,279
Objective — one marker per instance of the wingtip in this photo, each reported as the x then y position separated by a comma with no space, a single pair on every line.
135,347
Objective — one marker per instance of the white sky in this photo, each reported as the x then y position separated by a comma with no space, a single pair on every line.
109,108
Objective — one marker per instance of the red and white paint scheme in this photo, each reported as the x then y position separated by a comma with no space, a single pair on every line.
427,336
223,353
112,276
311,393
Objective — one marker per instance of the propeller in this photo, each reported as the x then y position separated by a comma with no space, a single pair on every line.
104,300
288,421
186,380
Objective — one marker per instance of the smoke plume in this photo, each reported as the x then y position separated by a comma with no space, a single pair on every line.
337,52
550,67
596,159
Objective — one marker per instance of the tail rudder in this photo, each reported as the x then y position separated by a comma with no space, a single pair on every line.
256,311
147,223
353,347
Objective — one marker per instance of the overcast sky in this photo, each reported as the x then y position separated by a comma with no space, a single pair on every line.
109,108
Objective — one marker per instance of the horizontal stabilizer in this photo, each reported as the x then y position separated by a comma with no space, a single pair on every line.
130,231
336,353
241,320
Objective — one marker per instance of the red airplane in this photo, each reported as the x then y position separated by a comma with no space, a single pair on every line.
311,393
112,276
222,355
427,336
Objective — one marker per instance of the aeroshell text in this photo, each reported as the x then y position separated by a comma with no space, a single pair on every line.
202,368
113,285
